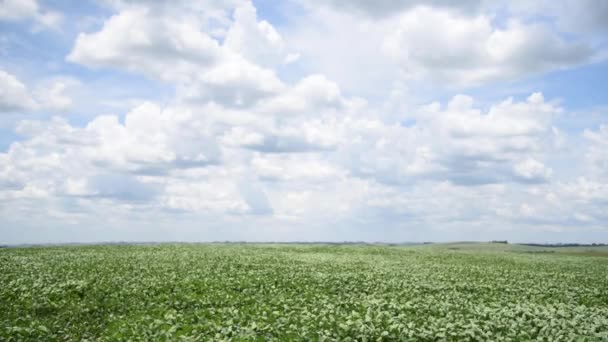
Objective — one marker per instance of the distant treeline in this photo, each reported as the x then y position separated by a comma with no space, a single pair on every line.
564,244
337,243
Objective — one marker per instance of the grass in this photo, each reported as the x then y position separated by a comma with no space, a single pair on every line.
453,292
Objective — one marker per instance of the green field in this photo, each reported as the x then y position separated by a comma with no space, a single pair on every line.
454,292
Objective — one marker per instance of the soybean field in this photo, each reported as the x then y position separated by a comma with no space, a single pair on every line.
247,292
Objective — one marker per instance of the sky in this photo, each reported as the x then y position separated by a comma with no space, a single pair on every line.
303,120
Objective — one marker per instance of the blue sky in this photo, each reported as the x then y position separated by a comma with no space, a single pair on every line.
143,120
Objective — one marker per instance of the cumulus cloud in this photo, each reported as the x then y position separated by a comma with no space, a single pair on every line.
14,95
138,41
117,187
14,10
583,16
178,49
212,191
436,44
458,143
235,82
532,170
56,94
471,163
49,94
58,158
258,41
308,96
151,140
446,44
299,168
391,7
577,16
285,140
253,194
597,153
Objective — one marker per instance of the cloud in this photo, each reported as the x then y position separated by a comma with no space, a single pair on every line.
289,138
383,8
234,82
597,152
308,96
18,9
479,167
481,148
55,94
219,190
345,48
15,10
119,187
435,44
532,170
458,143
139,41
14,95
212,6
48,94
295,168
175,49
299,118
253,194
258,41
583,16
152,140
60,159
576,16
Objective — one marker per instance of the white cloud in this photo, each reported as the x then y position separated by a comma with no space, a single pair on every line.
13,10
291,58
14,95
312,136
382,8
577,16
597,153
234,82
56,94
583,15
295,168
139,41
177,49
48,95
211,192
435,44
532,170
18,9
213,7
152,140
432,45
58,158
458,143
474,165
343,47
308,96
258,41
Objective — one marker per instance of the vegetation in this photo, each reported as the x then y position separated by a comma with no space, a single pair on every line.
453,292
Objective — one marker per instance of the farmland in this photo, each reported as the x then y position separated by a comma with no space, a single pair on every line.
453,292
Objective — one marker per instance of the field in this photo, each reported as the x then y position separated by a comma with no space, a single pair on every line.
453,292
